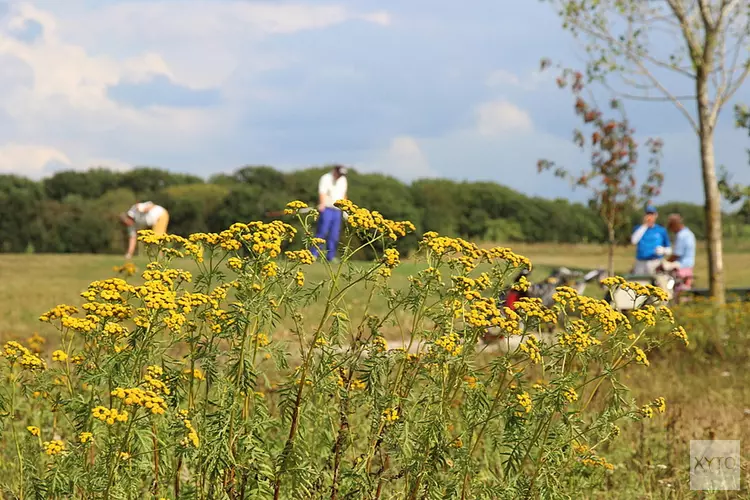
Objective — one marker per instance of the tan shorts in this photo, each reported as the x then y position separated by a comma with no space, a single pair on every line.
160,226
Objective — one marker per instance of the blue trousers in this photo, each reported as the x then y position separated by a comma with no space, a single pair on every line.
329,229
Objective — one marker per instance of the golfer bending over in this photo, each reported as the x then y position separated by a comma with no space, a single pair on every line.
141,216
331,188
652,243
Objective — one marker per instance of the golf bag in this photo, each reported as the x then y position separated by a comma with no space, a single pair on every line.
562,276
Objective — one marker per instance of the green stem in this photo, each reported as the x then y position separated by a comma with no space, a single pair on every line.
21,494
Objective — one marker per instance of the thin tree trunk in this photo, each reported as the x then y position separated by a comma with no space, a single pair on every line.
611,249
710,185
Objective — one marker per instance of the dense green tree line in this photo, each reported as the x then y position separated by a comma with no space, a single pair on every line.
77,211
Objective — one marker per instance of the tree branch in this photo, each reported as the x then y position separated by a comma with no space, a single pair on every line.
681,15
705,10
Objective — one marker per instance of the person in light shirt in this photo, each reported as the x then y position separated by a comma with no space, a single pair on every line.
652,244
684,251
332,187
141,216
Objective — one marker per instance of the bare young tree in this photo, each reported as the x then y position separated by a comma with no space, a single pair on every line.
692,53
612,176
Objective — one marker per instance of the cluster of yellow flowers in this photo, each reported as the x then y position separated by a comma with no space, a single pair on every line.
107,310
532,307
109,416
294,206
153,373
261,339
363,219
660,404
157,295
234,263
128,269
531,348
147,399
149,237
59,355
174,321
507,255
591,459
482,313
36,342
466,287
34,431
570,394
578,337
442,245
85,437
264,238
14,351
81,325
390,415
189,301
302,256
524,400
588,307
597,461
210,239
451,343
522,284
196,373
270,270
167,276
391,258
380,344
645,314
355,384
58,312
299,278
640,356
114,329
680,333
470,381
54,447
192,437
111,289
468,263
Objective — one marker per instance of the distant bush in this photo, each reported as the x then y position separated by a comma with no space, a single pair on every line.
53,214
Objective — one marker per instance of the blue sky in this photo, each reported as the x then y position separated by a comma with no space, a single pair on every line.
409,88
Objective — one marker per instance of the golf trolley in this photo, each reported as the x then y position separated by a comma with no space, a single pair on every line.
666,277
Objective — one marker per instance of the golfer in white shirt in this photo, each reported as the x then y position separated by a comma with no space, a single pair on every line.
332,187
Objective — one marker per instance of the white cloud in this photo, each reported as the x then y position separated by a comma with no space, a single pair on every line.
382,18
501,117
531,81
406,157
501,77
29,159
403,159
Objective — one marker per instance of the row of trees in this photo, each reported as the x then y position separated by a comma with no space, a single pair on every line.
77,211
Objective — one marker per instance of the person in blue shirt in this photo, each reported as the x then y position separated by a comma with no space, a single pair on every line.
684,251
652,243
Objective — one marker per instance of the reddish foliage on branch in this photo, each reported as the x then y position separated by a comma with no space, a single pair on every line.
614,157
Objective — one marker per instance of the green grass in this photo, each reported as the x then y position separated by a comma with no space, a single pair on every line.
32,284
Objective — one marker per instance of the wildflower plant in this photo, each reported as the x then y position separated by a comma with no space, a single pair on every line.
185,386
